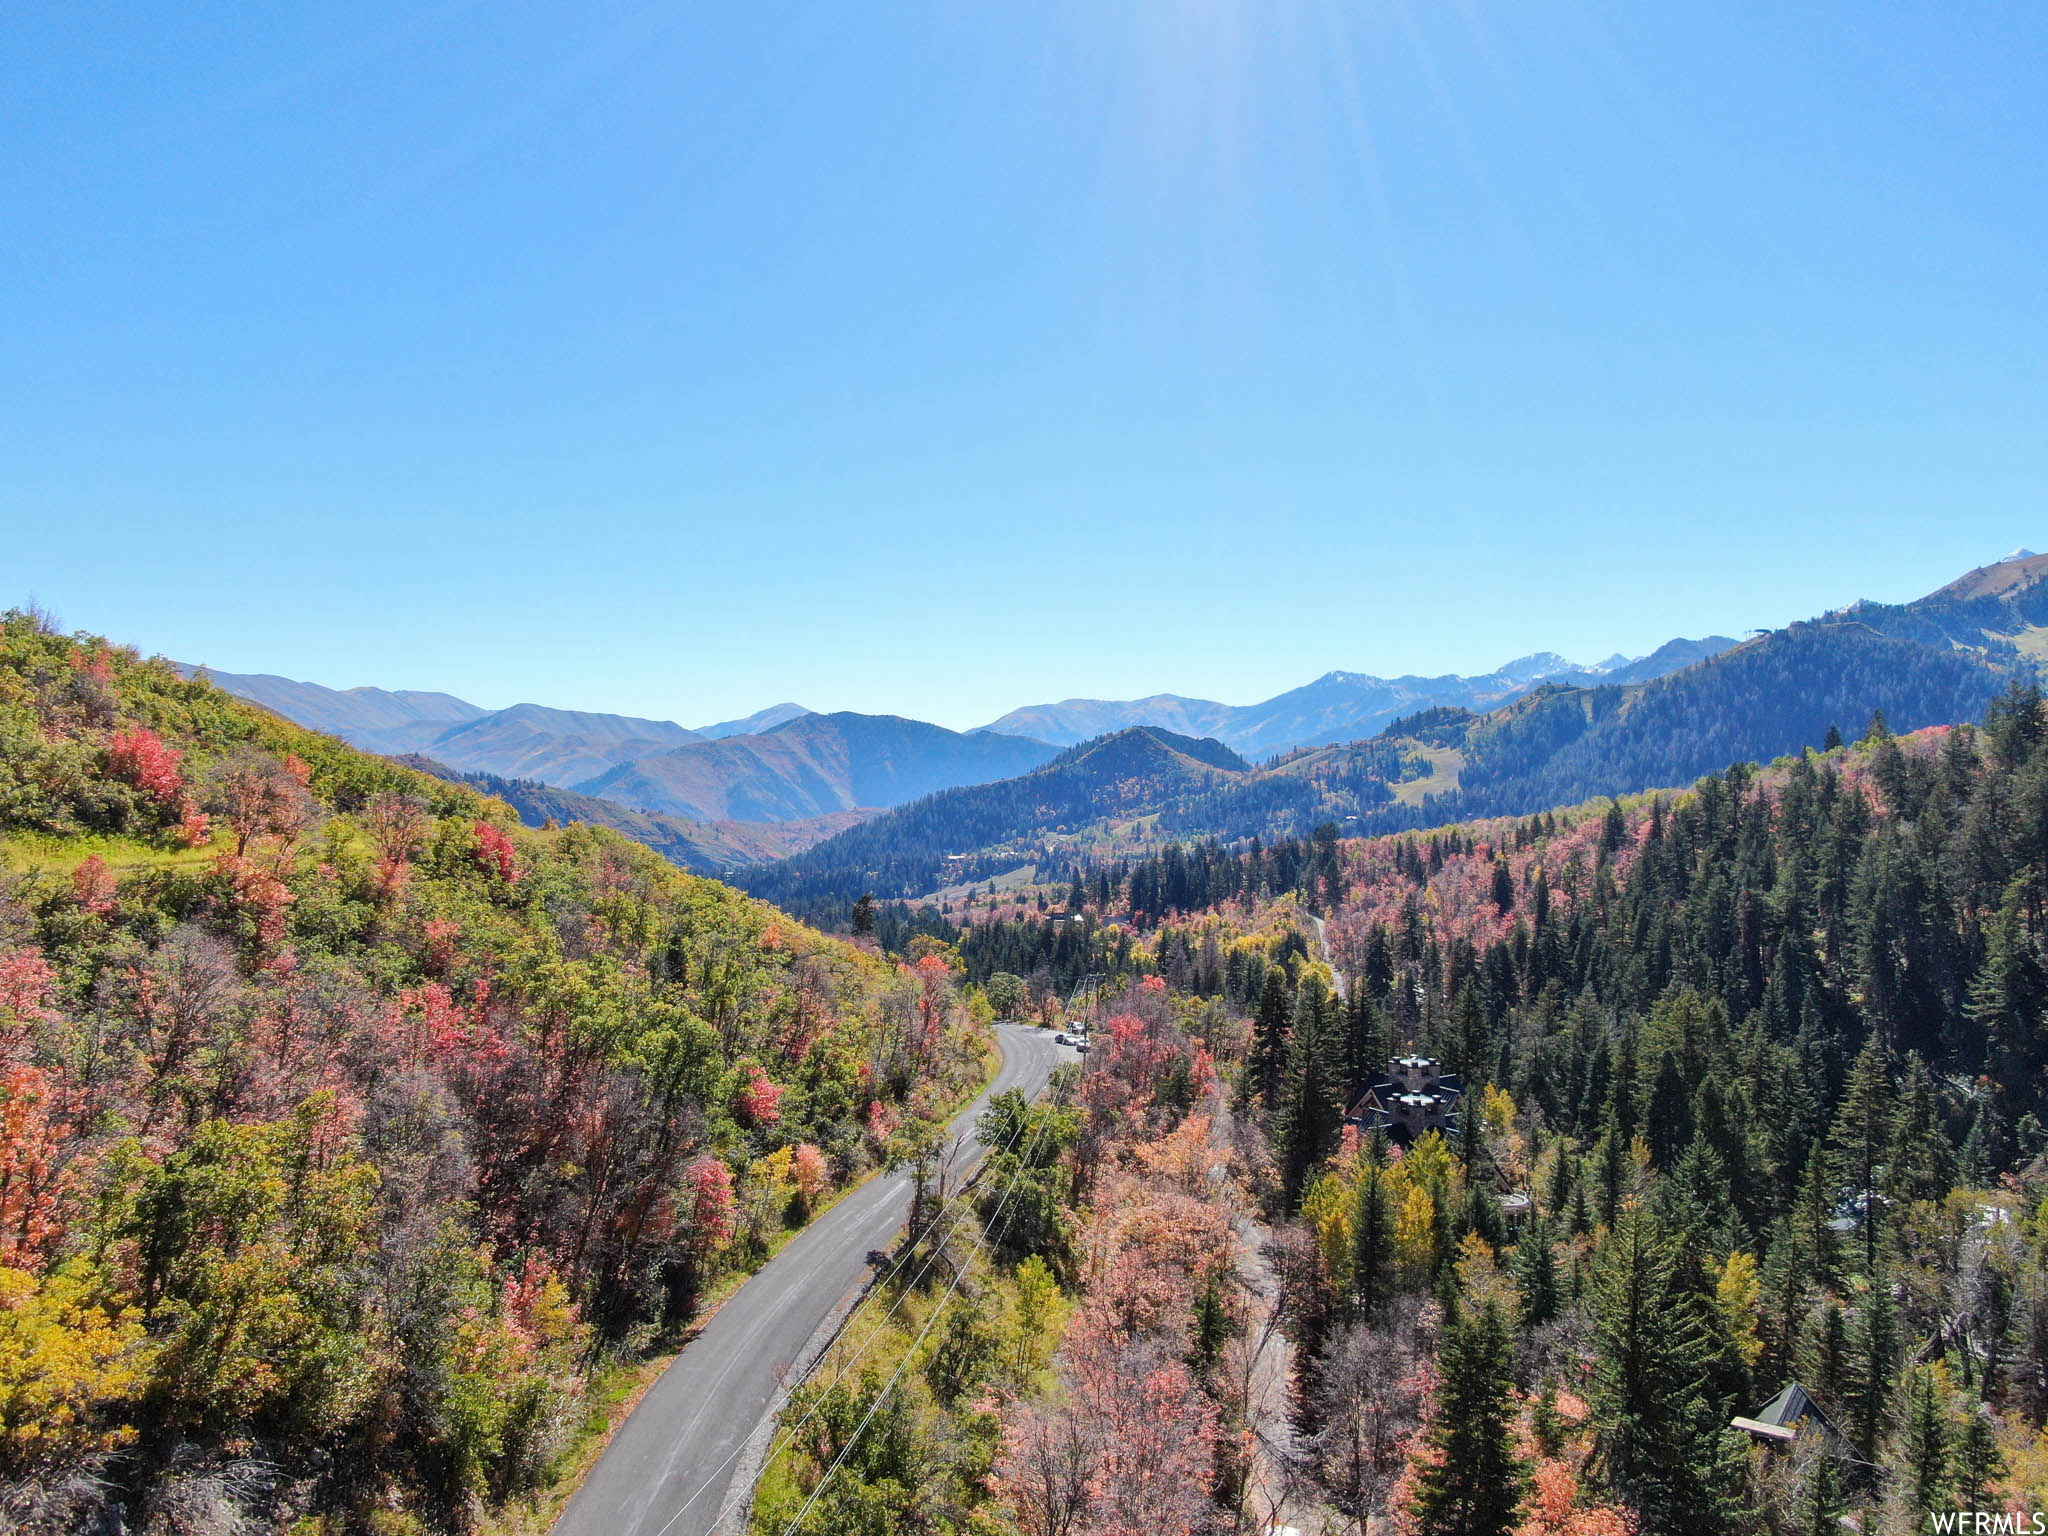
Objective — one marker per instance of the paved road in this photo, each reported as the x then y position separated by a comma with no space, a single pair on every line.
1323,944
669,1470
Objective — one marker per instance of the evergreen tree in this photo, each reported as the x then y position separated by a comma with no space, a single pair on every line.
1669,1126
1874,1366
1474,1485
1535,1271
1861,1136
1925,1440
1558,1198
1310,1118
1657,1429
1976,1463
1977,1161
1815,1235
1378,971
1823,1505
1365,1042
1827,1367
1611,1157
1782,1311
1469,1046
1372,1241
1920,1163
1266,1063
2007,993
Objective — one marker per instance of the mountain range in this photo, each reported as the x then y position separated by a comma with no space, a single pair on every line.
786,763
707,847
1338,706
818,803
1939,660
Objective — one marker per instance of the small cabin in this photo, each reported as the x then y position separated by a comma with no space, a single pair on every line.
1789,1415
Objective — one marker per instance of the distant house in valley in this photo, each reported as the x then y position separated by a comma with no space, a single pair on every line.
1415,1097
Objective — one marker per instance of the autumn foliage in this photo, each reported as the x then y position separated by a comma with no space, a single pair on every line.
344,1148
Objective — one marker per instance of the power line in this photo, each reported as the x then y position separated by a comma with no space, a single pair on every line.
931,1322
875,1290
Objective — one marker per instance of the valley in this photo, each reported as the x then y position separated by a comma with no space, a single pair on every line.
1709,956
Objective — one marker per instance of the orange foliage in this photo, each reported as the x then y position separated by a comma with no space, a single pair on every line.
29,1207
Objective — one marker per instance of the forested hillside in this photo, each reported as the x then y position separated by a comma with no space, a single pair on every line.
1558,745
912,850
346,1126
1751,1083
706,847
814,765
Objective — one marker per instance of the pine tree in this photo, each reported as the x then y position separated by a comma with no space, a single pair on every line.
1657,1430
2007,993
1266,1063
1474,1485
1874,1365
1669,1126
1365,1042
1815,1235
1977,1462
1469,1044
1535,1270
1372,1241
1378,971
1861,1135
1822,1507
1920,1163
1925,1435
1783,1309
1558,1198
1827,1368
1611,1155
1310,1117
1977,1161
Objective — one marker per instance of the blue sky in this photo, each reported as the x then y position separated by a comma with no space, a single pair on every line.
936,359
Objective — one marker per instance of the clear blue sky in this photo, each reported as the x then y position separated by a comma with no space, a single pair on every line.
676,359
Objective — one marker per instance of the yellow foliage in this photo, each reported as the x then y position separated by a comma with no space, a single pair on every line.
1326,1211
1739,1292
1415,1227
1496,1110
1482,1279
68,1364
2025,1452
776,1172
1430,1160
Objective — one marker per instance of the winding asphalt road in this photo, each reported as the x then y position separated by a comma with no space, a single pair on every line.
670,1468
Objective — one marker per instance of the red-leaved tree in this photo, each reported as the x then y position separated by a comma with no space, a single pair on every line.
140,757
494,852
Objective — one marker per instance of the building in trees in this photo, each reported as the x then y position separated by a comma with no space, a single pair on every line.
1415,1097
1793,1414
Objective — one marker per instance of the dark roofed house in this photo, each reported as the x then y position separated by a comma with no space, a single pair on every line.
1415,1097
1790,1414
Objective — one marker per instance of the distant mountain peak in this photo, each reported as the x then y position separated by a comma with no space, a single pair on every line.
1536,664
753,725
2003,578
